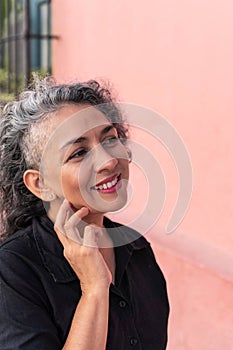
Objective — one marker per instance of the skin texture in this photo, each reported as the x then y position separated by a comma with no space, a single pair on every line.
77,209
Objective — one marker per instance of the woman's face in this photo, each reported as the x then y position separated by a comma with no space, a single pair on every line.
84,161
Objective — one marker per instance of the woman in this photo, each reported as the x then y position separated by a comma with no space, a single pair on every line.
69,277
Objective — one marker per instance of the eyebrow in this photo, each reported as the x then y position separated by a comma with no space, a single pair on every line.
82,138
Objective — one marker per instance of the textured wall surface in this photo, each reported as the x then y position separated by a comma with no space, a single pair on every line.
174,57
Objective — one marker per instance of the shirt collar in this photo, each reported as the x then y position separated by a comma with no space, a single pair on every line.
51,249
124,236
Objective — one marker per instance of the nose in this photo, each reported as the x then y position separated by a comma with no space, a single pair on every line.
103,161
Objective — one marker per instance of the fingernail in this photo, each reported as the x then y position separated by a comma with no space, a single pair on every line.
85,208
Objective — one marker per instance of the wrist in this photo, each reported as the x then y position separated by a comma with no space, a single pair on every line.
96,291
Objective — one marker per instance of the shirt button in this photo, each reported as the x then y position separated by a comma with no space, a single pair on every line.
133,341
122,303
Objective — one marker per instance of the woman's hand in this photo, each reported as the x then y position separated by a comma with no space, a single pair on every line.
84,256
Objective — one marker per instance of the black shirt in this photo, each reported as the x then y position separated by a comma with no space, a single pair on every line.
39,292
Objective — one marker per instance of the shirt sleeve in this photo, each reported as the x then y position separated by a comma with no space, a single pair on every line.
25,320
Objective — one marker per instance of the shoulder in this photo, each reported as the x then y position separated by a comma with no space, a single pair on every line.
24,300
20,242
35,251
19,255
26,242
21,268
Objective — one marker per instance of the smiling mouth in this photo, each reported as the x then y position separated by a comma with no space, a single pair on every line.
108,185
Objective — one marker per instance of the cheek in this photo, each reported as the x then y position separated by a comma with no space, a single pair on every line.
73,178
125,166
69,179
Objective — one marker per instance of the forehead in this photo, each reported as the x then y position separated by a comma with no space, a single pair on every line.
75,121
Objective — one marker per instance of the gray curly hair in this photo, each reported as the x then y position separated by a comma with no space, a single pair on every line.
24,126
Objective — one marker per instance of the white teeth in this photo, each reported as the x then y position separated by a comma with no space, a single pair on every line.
114,181
107,185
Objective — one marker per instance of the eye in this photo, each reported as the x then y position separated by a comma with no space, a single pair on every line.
110,141
80,153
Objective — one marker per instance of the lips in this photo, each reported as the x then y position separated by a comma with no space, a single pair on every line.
109,179
107,183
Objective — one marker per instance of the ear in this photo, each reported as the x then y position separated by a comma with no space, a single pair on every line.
33,180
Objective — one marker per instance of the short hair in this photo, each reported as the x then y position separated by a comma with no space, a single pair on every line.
22,133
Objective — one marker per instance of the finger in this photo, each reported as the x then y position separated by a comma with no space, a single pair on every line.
91,236
72,226
64,213
75,219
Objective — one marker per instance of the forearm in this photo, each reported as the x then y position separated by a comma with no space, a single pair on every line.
89,326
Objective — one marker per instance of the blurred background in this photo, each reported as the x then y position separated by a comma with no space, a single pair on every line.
174,57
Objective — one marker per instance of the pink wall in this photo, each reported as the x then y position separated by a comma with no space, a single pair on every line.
175,57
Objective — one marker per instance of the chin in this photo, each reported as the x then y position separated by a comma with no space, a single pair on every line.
110,205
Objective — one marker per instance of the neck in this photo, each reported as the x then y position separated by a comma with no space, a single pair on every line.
95,219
